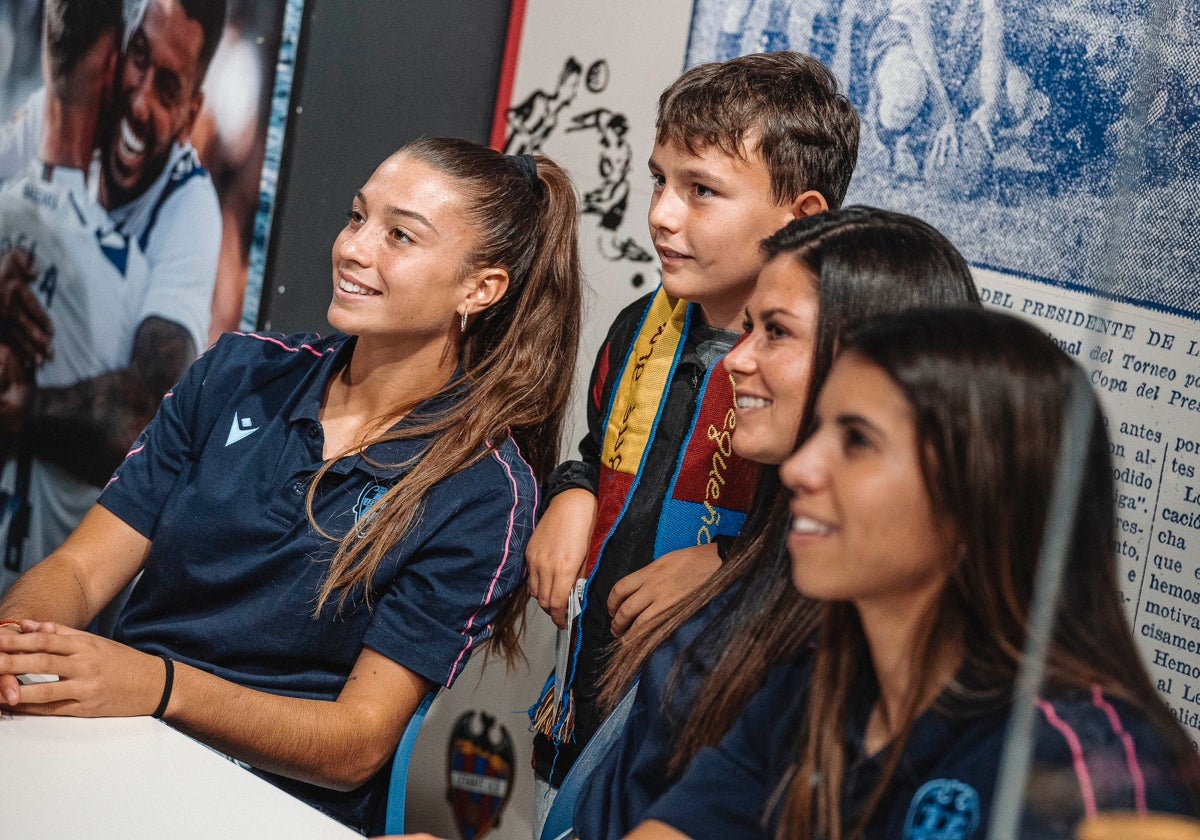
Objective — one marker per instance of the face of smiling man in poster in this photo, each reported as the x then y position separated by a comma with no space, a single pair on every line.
158,94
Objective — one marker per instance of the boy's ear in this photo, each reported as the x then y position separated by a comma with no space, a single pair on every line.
809,203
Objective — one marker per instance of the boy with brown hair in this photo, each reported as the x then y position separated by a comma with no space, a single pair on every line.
741,148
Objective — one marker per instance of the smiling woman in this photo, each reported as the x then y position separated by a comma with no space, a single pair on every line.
700,662
326,528
919,506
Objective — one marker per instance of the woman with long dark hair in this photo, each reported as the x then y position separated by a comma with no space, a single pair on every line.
700,662
918,510
327,528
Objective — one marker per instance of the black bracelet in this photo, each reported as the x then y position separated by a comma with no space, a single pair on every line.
166,695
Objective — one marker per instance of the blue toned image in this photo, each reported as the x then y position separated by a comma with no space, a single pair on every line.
1057,139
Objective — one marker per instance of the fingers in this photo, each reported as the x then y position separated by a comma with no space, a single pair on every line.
945,144
10,690
47,698
32,335
60,641
17,264
630,597
15,664
623,588
96,677
632,608
560,596
559,616
533,581
548,598
551,579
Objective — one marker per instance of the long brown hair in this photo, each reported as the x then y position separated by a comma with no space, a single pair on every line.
867,262
517,357
989,393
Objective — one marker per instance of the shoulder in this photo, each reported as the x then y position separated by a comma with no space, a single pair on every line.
266,356
1113,751
188,183
502,477
1075,721
300,348
186,169
492,502
626,324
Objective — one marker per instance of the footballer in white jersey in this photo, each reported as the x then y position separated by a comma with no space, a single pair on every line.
177,224
92,282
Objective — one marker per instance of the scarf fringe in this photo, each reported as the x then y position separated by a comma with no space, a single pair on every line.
556,722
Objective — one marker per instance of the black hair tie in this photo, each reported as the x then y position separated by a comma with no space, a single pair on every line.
527,166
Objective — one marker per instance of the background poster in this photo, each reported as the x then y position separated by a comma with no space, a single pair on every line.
239,134
182,243
1057,144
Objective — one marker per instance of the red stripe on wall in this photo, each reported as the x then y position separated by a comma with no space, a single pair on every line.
508,73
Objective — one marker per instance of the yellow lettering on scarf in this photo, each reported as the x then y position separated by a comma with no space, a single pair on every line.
723,438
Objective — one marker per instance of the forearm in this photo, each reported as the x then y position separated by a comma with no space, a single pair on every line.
74,583
53,590
88,427
338,745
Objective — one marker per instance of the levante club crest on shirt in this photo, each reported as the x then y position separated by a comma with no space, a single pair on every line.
481,773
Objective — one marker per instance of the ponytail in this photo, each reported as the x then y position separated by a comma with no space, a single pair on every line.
517,357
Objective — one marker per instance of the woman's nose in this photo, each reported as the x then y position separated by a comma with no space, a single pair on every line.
804,470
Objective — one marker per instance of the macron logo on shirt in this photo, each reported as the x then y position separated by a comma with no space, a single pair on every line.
240,429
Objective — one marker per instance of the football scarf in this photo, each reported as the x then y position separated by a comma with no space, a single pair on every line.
708,495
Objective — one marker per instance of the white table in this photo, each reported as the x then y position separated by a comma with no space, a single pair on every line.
134,778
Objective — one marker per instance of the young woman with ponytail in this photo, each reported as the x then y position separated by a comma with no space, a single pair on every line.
327,528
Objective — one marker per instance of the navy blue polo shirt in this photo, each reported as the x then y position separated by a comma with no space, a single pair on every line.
1091,753
218,483
636,770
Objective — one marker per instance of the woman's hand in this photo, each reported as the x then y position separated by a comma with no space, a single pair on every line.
97,677
668,580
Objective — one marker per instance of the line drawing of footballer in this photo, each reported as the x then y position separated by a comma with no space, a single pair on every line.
610,199
162,202
534,119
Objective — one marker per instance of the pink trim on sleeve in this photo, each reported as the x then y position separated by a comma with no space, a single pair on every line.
270,340
512,519
1081,771
1131,759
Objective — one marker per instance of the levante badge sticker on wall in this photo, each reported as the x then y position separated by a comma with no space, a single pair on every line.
481,769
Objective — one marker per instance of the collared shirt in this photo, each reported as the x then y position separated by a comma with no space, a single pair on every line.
1091,753
176,221
219,481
